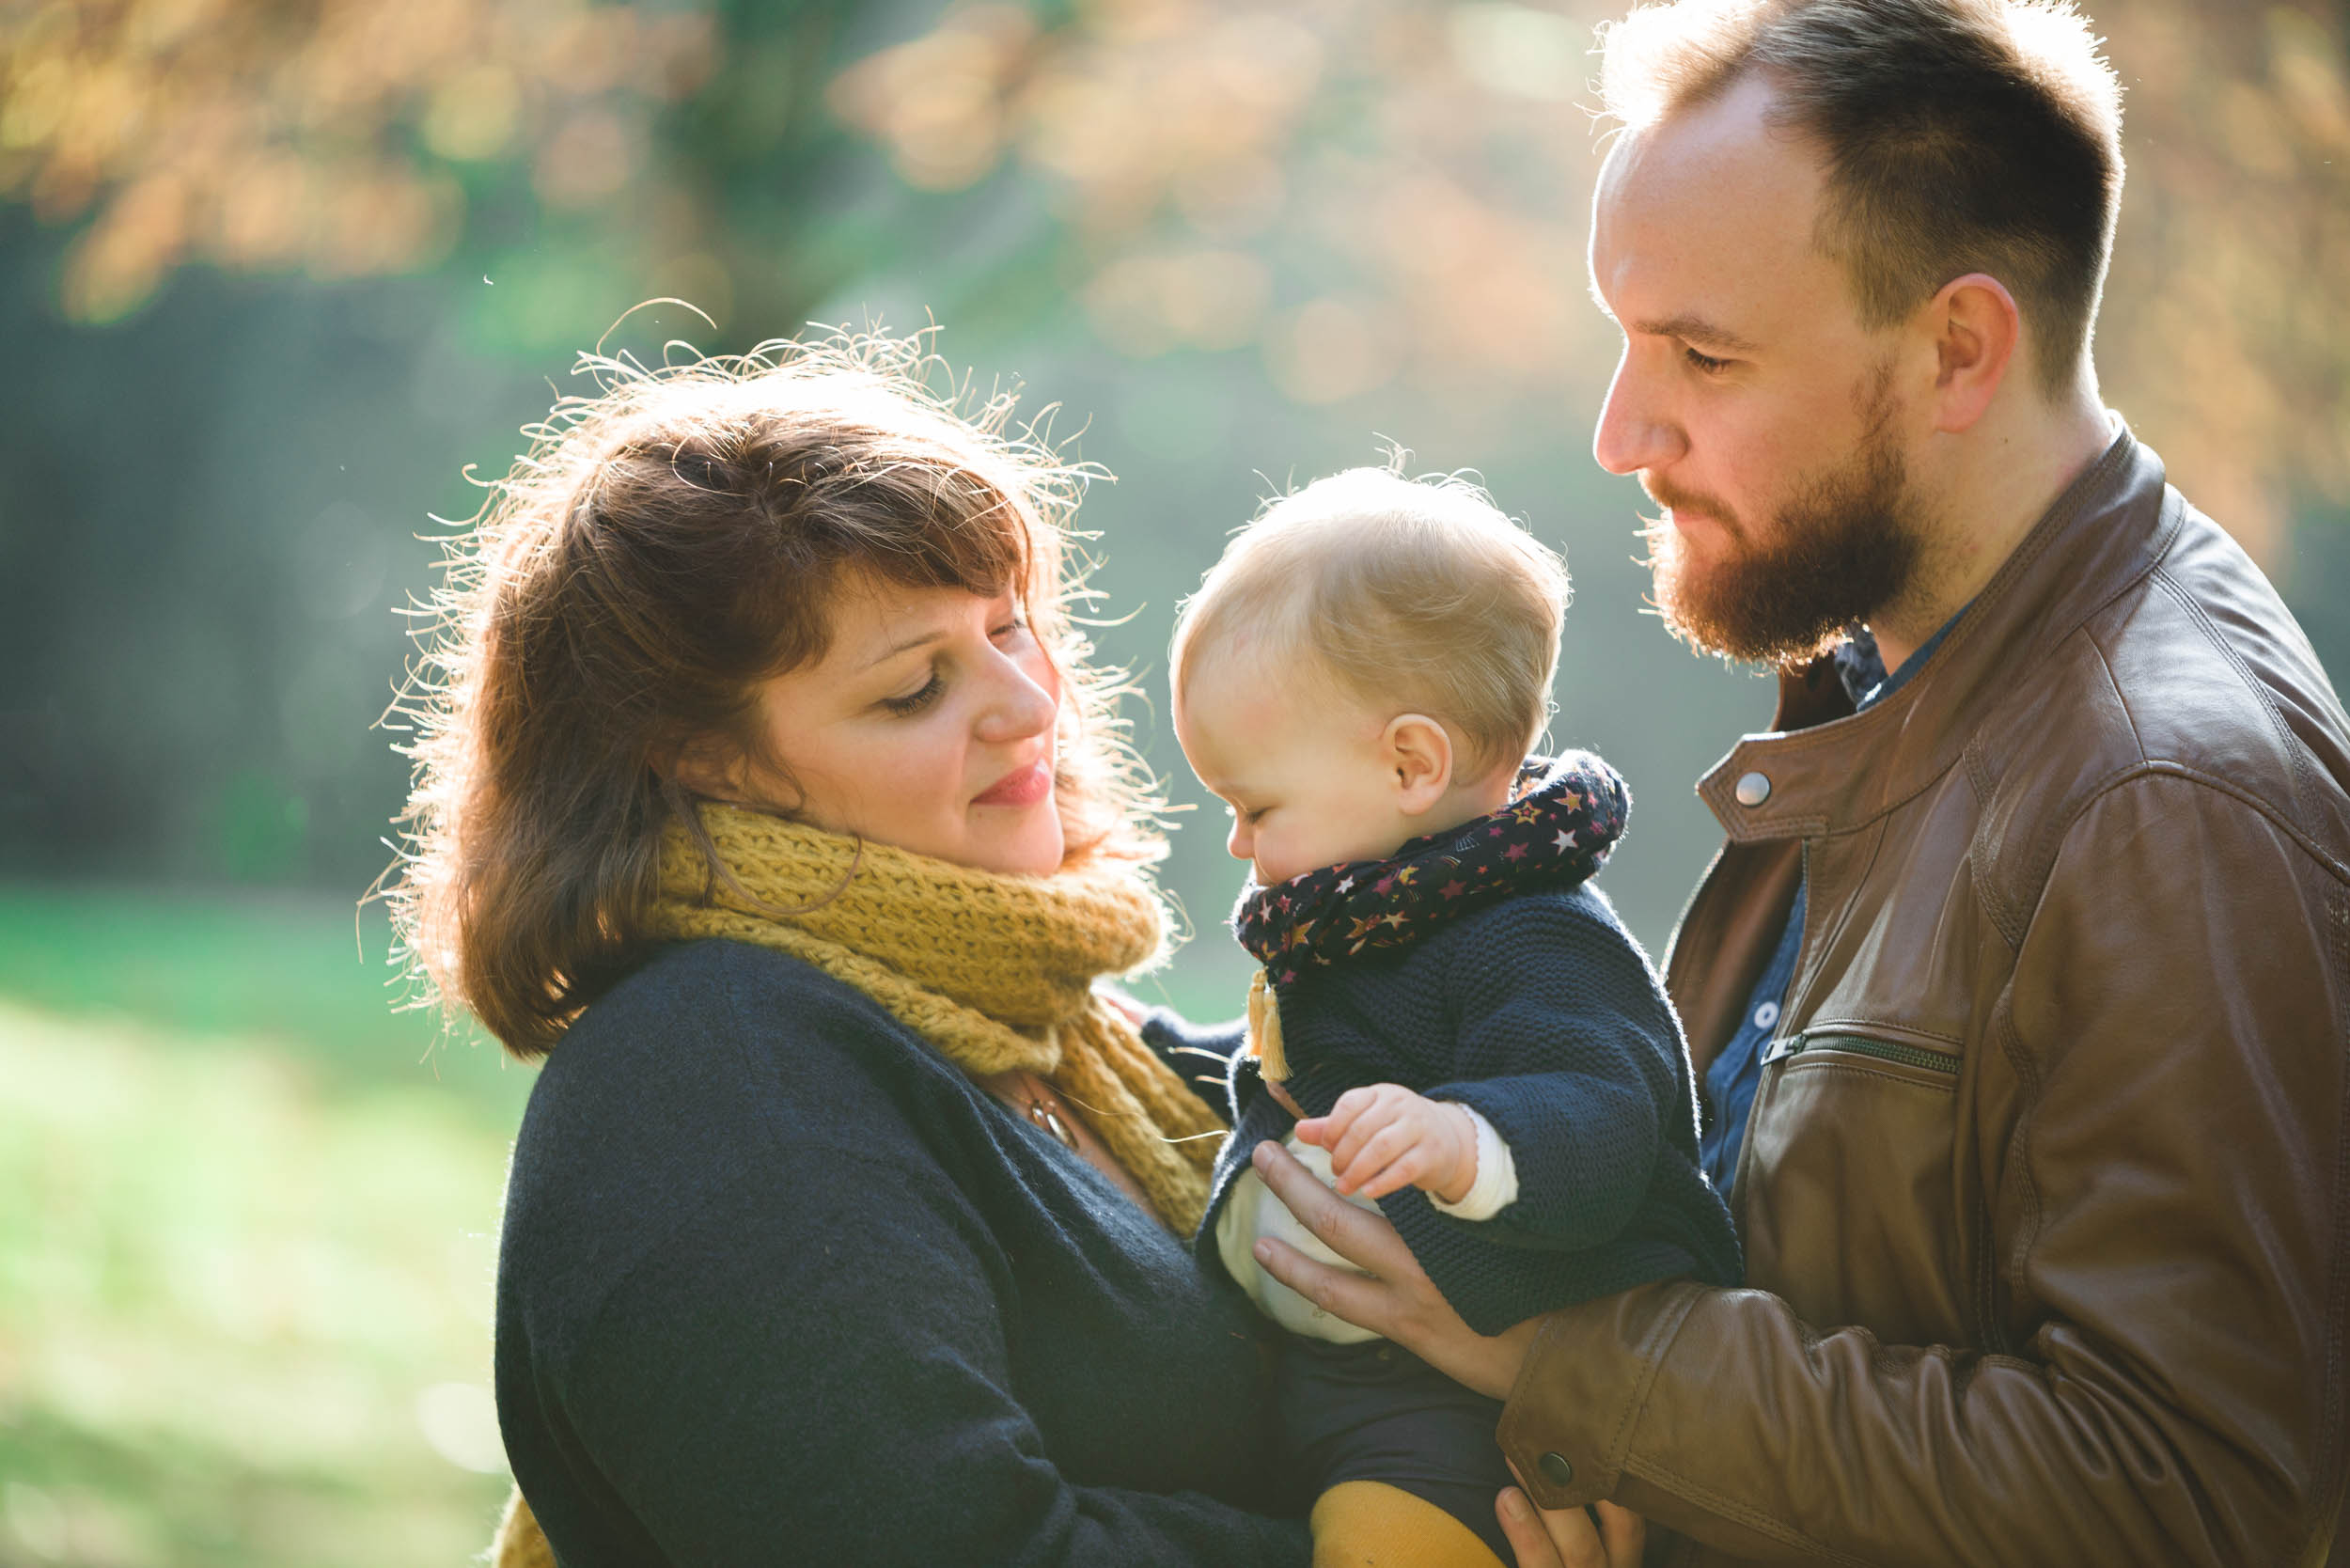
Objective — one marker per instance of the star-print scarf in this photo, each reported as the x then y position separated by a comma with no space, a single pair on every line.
1557,831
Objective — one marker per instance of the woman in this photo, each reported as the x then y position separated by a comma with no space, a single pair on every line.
763,775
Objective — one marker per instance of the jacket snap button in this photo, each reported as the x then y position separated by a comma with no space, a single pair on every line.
1753,788
1556,1469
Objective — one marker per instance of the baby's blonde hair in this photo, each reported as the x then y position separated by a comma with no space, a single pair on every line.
1412,594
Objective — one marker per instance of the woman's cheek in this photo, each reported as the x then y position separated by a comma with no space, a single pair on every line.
940,773
897,783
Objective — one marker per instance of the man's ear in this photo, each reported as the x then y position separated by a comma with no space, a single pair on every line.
1978,333
1418,754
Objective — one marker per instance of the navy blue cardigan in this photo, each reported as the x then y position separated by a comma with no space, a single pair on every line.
1541,1014
777,1284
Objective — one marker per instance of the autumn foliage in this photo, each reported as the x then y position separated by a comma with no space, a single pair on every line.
1353,191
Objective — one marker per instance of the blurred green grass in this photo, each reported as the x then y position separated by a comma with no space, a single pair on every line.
247,1237
249,1219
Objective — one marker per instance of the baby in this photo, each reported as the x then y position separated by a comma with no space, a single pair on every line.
1450,1025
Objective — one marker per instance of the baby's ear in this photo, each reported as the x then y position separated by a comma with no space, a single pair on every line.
1419,757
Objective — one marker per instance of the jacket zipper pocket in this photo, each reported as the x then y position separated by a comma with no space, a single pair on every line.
1919,1057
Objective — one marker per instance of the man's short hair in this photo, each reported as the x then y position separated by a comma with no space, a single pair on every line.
1415,595
1960,136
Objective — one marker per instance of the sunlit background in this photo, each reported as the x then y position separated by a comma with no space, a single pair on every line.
272,277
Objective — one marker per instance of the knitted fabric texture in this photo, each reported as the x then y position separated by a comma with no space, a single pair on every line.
994,972
1542,1015
519,1542
766,1254
1557,832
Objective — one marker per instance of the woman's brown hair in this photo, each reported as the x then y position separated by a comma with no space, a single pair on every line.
664,547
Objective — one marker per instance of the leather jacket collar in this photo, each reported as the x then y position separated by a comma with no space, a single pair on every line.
1826,769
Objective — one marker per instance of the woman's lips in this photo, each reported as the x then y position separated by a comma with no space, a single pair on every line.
1019,787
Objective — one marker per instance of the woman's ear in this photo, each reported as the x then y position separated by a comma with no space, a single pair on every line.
707,766
1418,754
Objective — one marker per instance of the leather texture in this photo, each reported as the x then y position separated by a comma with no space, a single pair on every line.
2046,1185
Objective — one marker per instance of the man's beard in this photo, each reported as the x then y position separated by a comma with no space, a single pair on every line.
1844,548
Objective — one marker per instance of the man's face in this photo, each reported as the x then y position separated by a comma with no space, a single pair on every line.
1749,400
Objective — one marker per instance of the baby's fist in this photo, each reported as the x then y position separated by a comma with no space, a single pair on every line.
1385,1137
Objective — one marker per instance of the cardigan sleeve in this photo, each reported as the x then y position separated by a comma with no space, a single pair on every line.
1567,1045
829,1382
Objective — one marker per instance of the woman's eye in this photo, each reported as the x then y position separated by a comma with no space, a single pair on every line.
1705,364
1008,628
914,702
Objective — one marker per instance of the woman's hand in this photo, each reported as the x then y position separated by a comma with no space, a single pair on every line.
1567,1538
1394,1298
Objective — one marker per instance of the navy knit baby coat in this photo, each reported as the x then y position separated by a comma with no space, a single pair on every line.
1543,1014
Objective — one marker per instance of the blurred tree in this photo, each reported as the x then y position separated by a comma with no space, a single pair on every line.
576,151
283,266
1356,189
1368,189
284,269
342,137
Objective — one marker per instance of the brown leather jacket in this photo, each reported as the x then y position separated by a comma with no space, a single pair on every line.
2045,1189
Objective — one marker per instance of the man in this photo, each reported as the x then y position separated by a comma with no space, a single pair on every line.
2018,989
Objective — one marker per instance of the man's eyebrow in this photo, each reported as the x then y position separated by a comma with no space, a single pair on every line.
1695,329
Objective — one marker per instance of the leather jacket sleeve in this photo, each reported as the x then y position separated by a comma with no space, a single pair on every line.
2150,1138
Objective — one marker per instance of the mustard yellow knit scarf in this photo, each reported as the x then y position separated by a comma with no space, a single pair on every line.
994,972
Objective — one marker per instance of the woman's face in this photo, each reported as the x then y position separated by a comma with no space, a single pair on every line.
928,724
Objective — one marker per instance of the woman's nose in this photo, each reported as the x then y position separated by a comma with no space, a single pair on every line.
1634,432
1022,702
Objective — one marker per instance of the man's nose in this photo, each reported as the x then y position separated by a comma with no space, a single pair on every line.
1635,432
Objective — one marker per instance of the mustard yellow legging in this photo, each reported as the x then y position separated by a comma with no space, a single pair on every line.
1368,1524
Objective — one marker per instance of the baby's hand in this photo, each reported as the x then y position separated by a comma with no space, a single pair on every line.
1385,1137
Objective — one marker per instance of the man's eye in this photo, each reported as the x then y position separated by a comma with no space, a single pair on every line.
1705,364
914,702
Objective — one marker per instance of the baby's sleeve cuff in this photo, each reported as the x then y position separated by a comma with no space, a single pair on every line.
1496,1184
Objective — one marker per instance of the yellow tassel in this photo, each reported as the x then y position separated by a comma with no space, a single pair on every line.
1264,1029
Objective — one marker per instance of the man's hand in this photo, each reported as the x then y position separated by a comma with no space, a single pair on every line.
1567,1537
1393,1297
1384,1137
